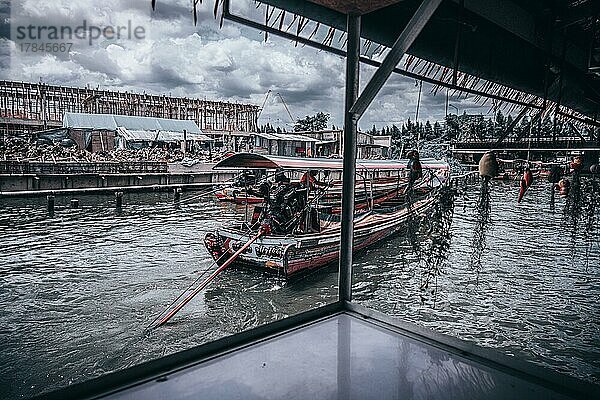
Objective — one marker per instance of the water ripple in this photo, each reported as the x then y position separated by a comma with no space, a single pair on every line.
78,290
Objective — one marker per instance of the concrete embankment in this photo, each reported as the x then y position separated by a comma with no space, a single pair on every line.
178,176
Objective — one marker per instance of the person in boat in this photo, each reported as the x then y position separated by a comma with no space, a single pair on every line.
281,177
270,190
309,180
415,171
246,178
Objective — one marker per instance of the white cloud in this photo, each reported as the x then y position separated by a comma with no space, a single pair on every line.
228,63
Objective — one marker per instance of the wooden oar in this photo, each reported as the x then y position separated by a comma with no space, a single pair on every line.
179,306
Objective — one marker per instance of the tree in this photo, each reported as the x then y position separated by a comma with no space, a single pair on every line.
500,120
428,131
490,130
313,123
453,126
437,130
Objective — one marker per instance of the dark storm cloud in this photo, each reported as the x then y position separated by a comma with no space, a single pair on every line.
167,77
4,19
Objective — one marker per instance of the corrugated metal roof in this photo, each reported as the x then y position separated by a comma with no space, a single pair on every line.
131,123
266,135
90,121
297,138
160,136
321,142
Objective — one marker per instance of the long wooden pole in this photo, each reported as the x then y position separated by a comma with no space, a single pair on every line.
208,280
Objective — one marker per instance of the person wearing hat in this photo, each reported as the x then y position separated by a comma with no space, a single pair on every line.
415,171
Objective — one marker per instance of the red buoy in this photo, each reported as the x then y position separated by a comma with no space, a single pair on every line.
526,182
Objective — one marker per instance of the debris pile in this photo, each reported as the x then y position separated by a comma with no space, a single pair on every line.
17,149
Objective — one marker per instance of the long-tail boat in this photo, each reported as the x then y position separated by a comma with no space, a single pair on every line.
298,227
376,189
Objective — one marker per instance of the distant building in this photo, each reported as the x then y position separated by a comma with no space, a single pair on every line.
103,132
330,144
284,144
378,147
272,143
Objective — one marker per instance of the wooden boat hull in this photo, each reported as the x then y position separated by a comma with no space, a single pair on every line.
289,256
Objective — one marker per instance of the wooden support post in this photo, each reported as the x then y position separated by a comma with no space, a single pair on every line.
119,200
50,200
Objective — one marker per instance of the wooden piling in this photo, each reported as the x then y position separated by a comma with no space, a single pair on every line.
50,200
119,200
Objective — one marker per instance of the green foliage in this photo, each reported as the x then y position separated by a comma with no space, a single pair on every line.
312,123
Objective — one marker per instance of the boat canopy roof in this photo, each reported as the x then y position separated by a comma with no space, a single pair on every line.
259,161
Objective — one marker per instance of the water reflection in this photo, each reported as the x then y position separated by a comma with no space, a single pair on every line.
482,225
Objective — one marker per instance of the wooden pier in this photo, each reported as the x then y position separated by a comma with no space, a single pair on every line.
40,179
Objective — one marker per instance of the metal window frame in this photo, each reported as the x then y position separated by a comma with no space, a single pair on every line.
160,369
152,370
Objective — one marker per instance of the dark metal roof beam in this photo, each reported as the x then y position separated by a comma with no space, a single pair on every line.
577,14
574,128
512,125
404,41
241,20
513,18
253,24
490,50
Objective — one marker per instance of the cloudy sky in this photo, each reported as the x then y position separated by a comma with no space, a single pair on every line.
231,63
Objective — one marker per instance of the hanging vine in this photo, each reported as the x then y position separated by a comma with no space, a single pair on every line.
591,208
488,168
482,226
436,243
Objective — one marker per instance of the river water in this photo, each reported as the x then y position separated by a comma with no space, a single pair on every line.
78,290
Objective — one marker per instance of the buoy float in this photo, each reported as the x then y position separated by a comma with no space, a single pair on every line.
576,164
488,165
526,181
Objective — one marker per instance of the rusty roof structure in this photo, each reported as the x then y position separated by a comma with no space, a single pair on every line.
510,54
